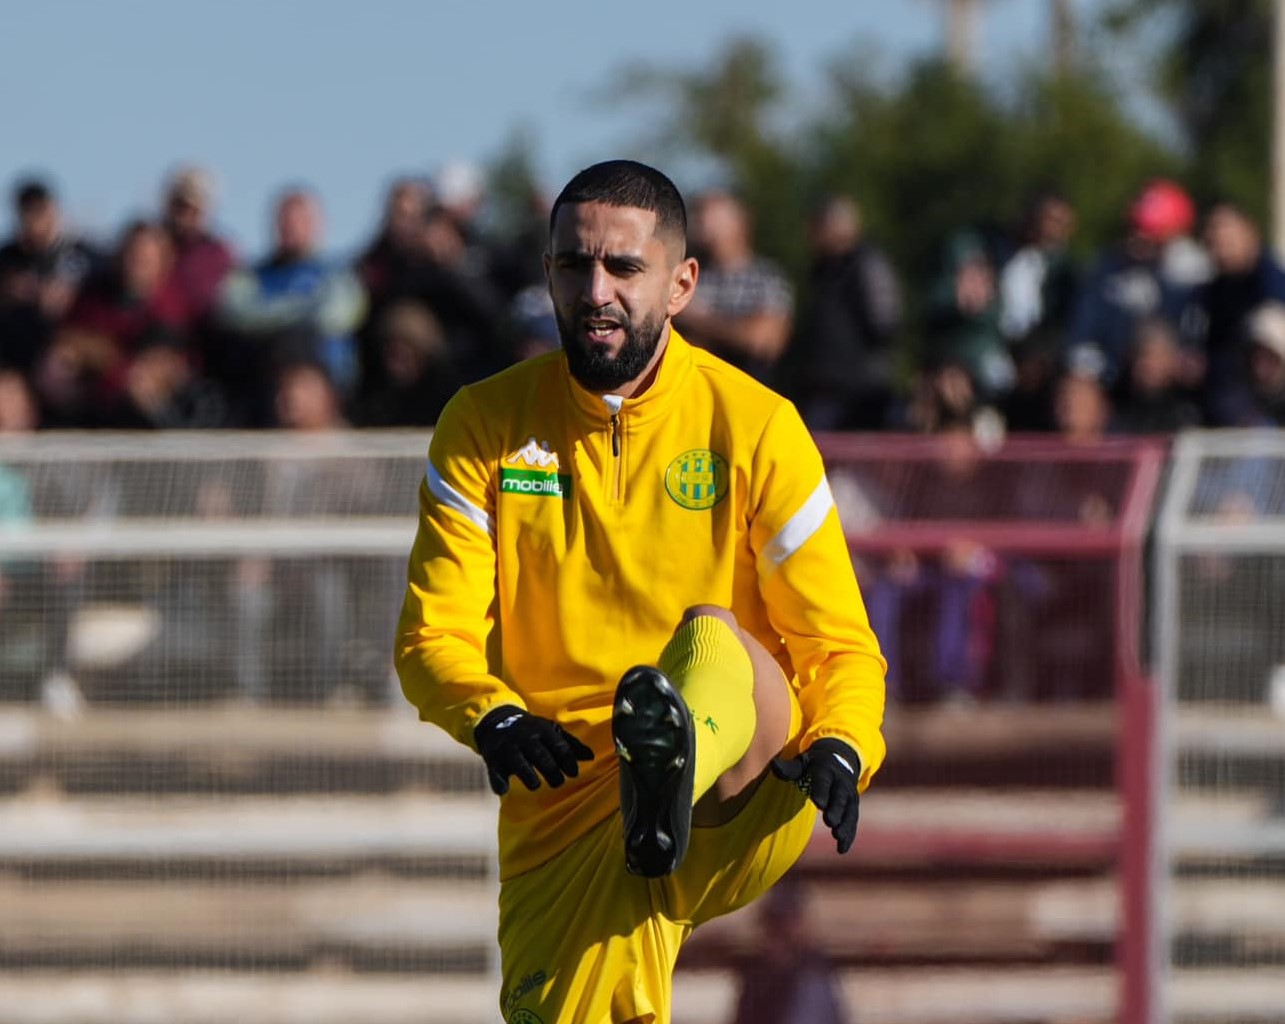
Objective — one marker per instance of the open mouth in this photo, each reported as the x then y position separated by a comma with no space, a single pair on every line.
600,328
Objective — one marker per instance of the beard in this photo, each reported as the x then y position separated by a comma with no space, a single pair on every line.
594,367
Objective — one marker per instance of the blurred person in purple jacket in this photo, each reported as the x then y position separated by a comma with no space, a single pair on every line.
789,979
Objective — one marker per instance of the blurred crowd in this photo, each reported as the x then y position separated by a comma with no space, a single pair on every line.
1180,322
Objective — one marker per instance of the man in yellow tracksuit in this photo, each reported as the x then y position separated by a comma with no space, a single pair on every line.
634,501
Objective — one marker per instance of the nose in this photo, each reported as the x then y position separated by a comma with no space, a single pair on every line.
597,286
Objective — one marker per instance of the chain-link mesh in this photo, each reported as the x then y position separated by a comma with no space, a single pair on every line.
215,804
215,807
1221,635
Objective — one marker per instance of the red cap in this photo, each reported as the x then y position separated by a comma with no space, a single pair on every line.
1162,211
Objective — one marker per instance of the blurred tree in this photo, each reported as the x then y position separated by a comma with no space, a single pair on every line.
513,183
1214,68
926,153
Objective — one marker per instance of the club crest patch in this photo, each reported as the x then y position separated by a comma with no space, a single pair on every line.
697,479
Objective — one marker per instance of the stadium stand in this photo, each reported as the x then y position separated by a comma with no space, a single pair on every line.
196,844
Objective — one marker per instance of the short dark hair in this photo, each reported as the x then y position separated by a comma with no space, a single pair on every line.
628,183
31,192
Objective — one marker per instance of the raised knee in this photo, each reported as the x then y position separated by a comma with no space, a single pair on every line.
713,611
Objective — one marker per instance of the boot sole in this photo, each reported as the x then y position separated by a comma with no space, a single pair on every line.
656,742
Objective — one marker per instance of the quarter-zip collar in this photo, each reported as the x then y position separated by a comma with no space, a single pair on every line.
675,364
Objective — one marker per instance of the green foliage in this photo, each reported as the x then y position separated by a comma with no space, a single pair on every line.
513,181
1214,69
925,153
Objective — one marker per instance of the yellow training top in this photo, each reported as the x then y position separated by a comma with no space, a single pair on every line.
559,544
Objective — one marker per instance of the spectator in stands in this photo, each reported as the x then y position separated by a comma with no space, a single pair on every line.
743,305
294,305
1038,282
307,399
1038,285
1156,399
461,195
535,327
201,260
789,979
1131,283
1246,276
1082,408
320,622
962,327
37,599
416,377
840,364
41,271
1266,369
935,618
455,282
81,376
163,390
399,246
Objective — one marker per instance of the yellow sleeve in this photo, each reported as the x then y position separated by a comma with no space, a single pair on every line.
810,589
447,637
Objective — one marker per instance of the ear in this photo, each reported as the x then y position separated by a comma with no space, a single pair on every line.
547,260
682,286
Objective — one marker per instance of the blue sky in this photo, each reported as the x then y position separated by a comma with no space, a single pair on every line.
107,96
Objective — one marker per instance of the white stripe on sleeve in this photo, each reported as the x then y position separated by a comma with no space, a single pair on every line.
800,527
452,498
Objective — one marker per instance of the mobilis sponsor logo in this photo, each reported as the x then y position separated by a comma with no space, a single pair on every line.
537,473
528,982
529,481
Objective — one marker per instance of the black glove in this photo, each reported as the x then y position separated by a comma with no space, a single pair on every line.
827,771
515,742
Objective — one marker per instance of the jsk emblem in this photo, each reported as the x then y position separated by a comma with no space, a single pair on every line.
697,479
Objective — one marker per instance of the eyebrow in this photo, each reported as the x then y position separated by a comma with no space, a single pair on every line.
583,255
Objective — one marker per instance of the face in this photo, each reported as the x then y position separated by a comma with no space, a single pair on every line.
407,205
298,225
1266,370
1156,365
614,286
186,216
306,401
17,408
1082,410
1056,222
144,261
38,224
1232,240
721,227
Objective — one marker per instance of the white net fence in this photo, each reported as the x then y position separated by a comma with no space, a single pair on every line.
1219,627
215,805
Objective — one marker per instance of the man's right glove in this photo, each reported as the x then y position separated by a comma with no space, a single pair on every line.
516,742
827,771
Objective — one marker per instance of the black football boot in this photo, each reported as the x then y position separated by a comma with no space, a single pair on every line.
656,741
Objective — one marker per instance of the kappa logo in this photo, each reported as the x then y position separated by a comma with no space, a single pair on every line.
536,455
540,476
525,1017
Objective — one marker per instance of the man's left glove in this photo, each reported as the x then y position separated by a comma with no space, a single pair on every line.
827,771
516,742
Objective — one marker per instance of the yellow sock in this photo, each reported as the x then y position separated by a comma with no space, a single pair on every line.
710,667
